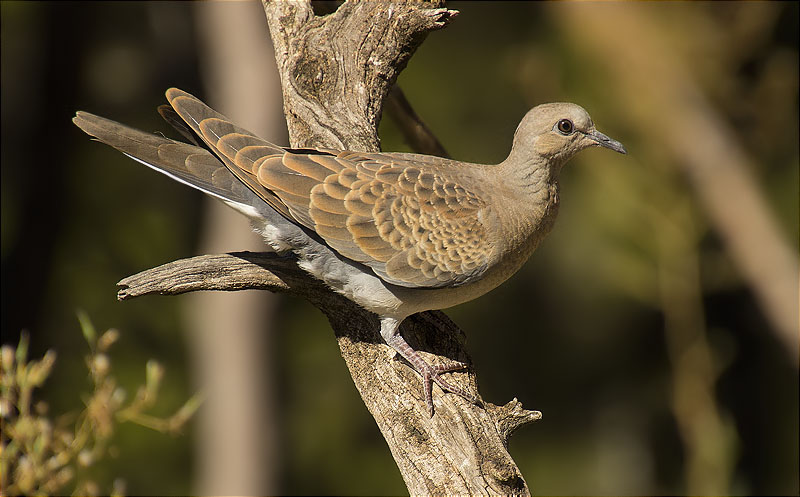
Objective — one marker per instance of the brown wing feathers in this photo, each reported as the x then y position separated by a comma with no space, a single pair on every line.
412,226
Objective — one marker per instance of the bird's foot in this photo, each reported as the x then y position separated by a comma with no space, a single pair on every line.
430,374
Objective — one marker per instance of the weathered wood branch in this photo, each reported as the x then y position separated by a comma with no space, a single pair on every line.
336,72
461,450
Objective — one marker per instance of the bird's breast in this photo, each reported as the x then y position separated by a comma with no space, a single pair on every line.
518,239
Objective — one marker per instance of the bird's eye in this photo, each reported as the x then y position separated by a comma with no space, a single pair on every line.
565,126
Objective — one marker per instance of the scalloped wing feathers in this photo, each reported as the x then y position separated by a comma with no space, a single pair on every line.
412,226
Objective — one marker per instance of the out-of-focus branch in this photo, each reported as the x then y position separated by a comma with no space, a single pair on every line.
675,118
417,134
709,437
244,458
234,333
668,104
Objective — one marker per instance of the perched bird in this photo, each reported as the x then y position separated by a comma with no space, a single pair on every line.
396,233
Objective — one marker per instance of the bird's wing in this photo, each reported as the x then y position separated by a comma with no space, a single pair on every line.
413,227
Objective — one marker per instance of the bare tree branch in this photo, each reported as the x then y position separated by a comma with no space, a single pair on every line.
336,71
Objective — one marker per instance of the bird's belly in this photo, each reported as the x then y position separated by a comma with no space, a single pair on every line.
372,293
365,288
423,299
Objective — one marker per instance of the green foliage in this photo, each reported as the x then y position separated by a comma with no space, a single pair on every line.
43,455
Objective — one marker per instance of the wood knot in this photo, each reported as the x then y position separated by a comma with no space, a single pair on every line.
314,75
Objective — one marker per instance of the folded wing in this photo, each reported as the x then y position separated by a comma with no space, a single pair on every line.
395,213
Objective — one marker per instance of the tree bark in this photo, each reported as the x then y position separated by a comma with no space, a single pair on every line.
336,71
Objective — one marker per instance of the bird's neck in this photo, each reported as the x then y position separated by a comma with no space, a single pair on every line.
529,177
533,184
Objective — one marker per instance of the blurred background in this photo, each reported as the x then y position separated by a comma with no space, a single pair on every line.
656,328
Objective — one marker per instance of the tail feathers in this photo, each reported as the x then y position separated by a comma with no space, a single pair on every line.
188,164
173,119
216,130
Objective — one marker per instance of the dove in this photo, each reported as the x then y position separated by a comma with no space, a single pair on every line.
397,233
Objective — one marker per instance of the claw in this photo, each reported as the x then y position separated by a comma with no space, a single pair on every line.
430,374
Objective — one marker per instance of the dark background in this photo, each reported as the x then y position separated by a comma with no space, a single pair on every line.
582,333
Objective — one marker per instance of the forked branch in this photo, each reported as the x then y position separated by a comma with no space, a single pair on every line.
336,72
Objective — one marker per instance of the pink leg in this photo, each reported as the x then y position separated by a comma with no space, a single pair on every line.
430,374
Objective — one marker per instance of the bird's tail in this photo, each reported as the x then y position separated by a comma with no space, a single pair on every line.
216,162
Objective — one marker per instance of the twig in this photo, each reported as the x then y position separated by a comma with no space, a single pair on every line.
417,134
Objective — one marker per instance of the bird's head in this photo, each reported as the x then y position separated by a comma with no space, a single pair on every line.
558,131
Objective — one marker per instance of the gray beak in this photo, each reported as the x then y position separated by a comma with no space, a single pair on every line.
607,142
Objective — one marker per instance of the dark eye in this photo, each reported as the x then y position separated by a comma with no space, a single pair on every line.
565,126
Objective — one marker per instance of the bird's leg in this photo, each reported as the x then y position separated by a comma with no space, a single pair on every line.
390,331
